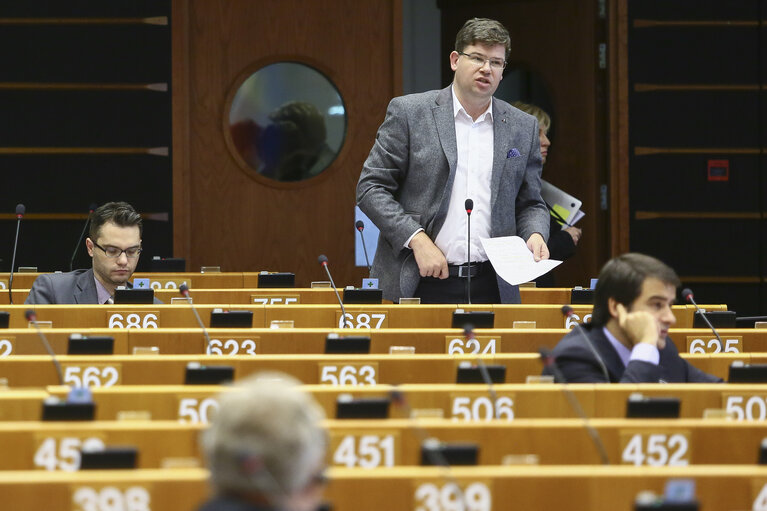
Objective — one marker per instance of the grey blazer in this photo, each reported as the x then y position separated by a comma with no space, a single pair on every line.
73,287
408,176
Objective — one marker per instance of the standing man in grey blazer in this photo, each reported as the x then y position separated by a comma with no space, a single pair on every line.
114,243
436,149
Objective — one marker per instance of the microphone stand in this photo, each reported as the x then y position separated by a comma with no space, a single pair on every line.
469,204
20,210
360,227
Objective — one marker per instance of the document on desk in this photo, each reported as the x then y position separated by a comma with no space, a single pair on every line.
513,261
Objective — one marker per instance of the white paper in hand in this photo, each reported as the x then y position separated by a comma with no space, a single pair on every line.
513,261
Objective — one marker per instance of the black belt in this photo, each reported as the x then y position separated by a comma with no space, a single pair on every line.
476,269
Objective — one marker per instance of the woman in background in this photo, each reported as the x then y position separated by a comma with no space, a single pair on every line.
562,242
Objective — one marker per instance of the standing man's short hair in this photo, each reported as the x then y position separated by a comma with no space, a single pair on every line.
121,214
266,438
484,31
621,279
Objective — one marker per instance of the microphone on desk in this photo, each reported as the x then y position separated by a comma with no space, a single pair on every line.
567,312
184,290
688,297
469,206
91,209
323,260
360,225
32,318
20,210
550,362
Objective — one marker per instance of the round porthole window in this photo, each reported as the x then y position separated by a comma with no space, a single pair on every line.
286,123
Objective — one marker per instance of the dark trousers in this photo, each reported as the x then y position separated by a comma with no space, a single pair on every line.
484,289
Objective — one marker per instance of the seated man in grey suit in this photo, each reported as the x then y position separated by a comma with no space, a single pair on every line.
434,151
114,243
627,339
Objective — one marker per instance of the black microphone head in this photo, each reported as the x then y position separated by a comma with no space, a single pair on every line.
30,315
545,353
183,289
397,397
360,225
468,329
687,294
92,207
20,210
322,259
566,310
469,205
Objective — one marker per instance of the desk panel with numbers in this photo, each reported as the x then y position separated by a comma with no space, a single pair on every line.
57,445
97,490
680,442
189,403
262,341
373,317
168,283
587,488
111,370
257,341
278,296
381,443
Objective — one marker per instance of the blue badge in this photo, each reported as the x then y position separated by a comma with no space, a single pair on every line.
141,284
369,283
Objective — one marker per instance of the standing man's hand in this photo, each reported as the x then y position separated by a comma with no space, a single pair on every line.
538,247
640,326
575,234
430,259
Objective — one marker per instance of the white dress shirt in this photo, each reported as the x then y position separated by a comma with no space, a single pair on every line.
474,141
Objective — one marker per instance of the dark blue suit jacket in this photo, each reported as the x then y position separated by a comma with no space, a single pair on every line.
579,365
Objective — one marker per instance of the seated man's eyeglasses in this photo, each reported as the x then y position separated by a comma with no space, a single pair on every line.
114,252
479,60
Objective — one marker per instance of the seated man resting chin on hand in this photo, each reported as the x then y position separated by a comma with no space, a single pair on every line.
629,328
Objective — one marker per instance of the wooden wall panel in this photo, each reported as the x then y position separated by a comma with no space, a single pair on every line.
225,217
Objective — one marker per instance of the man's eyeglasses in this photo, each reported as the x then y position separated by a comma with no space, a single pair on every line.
479,60
114,252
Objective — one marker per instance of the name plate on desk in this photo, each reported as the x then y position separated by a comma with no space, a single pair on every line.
480,344
749,406
363,319
443,494
375,448
655,447
7,345
348,373
160,283
133,319
275,299
109,497
61,451
478,406
707,344
92,375
233,345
